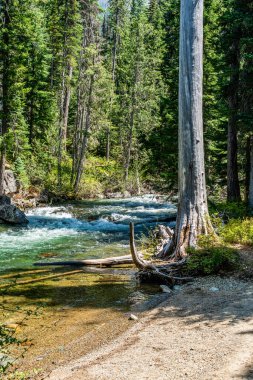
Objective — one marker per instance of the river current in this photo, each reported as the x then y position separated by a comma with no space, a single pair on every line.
80,230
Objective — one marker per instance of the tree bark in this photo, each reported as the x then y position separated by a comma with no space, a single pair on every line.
193,218
250,199
114,62
233,187
247,168
85,134
67,97
67,73
107,262
5,92
131,123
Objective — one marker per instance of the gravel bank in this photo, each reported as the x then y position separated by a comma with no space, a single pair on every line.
204,330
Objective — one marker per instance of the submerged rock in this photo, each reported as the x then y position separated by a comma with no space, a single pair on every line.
165,289
133,317
10,213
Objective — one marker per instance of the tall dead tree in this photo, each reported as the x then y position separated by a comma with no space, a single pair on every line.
68,55
4,90
115,46
250,192
193,218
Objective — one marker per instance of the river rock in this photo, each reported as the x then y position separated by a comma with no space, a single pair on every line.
10,182
10,213
165,289
5,360
4,200
133,317
214,289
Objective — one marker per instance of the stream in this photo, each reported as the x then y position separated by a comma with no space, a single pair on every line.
85,229
64,313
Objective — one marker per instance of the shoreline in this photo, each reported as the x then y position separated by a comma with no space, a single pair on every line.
26,201
179,339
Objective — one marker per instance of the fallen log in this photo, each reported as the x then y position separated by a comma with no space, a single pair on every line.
20,274
106,262
38,279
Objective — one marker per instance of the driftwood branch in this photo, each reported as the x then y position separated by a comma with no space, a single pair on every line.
154,273
138,261
39,279
107,262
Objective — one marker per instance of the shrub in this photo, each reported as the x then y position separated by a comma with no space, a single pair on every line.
228,210
212,259
238,231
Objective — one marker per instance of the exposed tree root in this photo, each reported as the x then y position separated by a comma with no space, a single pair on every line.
148,272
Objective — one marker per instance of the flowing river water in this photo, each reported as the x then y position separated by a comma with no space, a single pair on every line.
80,230
65,310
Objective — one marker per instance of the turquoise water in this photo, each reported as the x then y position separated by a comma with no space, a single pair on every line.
80,230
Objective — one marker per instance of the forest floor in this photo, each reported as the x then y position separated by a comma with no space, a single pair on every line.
204,330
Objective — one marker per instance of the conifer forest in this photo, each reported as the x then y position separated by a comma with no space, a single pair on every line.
89,95
126,189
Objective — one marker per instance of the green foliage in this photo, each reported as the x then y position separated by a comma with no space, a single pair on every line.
133,67
100,177
227,210
7,338
21,173
238,231
23,375
211,259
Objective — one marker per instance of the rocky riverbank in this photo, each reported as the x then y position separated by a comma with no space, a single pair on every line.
10,213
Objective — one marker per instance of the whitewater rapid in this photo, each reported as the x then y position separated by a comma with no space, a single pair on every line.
78,229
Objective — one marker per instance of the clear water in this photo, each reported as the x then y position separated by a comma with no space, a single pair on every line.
79,230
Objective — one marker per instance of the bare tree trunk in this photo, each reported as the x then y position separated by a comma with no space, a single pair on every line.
131,123
31,108
247,168
2,171
250,199
129,144
5,93
67,73
193,218
85,134
233,187
66,106
114,62
64,113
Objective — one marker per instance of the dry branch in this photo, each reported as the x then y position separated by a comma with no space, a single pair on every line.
107,262
154,273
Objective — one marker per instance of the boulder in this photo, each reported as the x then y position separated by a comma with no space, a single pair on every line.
4,200
12,214
10,182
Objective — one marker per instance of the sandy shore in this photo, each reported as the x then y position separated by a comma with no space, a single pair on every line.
203,331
